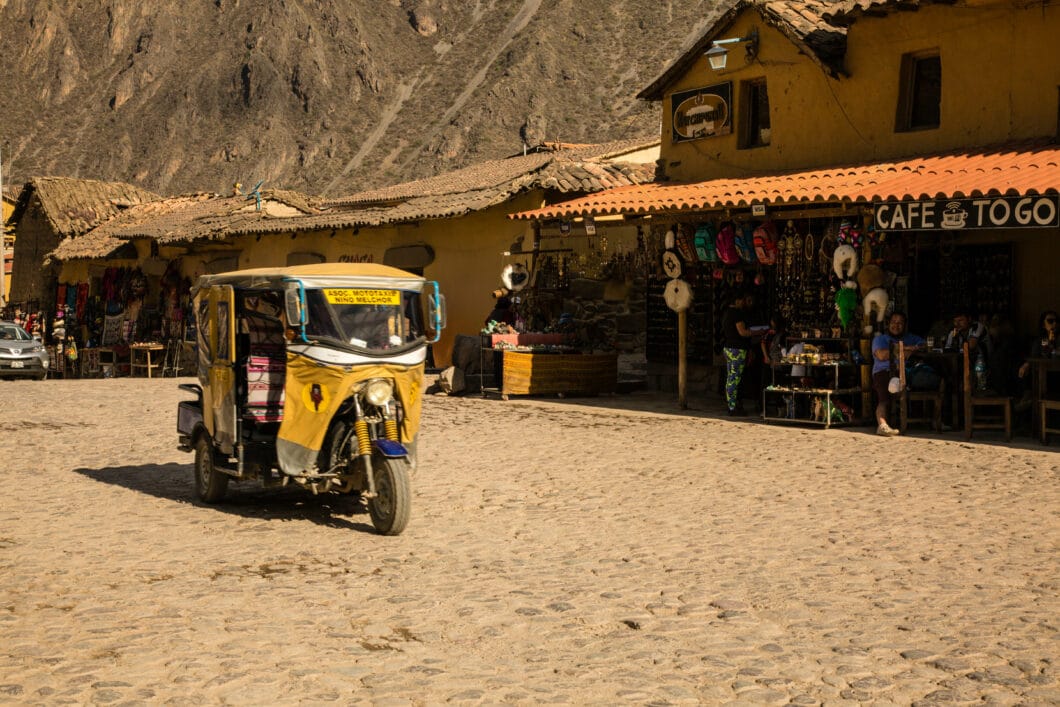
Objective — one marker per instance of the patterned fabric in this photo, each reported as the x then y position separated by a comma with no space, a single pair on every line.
735,363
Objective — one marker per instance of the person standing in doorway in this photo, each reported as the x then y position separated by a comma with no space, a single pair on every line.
502,312
736,335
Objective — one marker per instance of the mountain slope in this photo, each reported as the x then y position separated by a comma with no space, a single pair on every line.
324,96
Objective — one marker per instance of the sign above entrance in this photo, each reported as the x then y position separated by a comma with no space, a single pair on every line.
701,112
968,214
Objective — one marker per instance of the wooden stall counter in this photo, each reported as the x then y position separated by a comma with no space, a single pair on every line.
531,373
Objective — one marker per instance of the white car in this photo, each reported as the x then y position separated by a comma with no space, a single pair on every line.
21,356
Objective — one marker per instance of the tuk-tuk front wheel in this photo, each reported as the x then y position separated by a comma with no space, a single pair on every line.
210,484
392,504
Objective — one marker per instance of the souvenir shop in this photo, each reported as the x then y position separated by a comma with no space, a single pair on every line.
124,321
824,277
830,276
565,309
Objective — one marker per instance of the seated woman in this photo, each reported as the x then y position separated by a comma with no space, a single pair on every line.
1044,345
882,364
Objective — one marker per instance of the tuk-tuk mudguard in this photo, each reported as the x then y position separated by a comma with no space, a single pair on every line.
316,390
390,449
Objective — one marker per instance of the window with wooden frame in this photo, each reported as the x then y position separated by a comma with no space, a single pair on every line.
920,92
754,114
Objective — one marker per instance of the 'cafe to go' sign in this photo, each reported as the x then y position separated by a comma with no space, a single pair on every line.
968,214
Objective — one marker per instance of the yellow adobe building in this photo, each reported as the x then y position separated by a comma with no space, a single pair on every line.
827,109
837,86
452,228
10,198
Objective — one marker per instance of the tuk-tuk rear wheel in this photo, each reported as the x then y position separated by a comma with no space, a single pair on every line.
392,504
210,484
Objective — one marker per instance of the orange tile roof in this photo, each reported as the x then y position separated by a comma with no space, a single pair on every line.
1026,168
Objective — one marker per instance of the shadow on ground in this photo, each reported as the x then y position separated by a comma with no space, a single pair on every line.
173,482
713,407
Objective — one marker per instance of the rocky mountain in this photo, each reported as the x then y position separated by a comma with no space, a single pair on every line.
324,96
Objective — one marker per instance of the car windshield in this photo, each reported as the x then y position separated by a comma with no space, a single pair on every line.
372,319
13,332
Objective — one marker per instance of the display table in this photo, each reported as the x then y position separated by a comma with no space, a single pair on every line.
493,347
140,358
811,404
531,373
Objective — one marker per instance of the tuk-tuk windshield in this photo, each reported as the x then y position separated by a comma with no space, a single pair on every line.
372,319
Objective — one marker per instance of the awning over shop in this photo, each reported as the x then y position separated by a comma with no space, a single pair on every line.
1007,170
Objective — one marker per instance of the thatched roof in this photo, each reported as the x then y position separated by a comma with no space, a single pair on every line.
510,175
74,206
189,217
203,217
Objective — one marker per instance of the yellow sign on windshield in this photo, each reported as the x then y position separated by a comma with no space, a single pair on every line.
363,296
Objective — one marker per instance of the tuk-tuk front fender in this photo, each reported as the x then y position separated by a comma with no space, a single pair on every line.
314,393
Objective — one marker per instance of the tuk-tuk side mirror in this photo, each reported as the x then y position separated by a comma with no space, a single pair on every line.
436,311
294,303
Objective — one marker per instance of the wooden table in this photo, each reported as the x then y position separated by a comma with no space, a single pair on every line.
1040,370
140,358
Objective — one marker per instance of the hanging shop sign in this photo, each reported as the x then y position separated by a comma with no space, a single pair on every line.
968,214
701,112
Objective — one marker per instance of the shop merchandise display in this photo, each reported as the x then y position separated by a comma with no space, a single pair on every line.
563,322
93,324
816,381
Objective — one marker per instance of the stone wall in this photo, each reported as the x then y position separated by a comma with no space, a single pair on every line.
611,315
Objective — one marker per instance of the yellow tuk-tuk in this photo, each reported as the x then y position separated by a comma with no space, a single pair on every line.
311,375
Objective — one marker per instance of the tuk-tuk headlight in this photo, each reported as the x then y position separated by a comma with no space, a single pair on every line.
378,391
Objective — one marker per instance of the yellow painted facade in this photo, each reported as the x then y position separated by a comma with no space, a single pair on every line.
1000,66
5,280
468,255
467,263
1000,78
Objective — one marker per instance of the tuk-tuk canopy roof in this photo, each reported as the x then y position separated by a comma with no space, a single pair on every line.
318,275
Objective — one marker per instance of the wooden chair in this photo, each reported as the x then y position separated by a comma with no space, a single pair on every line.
1044,406
972,402
930,400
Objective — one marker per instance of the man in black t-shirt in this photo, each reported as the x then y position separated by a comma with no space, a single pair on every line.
736,337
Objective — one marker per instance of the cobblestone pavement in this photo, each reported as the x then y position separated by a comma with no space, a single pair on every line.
599,551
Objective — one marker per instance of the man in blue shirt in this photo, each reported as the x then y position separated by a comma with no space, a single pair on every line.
881,366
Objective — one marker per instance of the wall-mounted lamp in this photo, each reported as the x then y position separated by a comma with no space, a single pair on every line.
718,55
